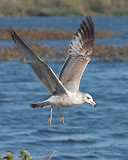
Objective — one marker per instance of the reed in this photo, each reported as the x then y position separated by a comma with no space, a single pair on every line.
101,51
39,34
24,155
111,53
106,33
8,53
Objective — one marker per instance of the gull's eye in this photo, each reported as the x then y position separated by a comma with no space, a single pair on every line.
88,98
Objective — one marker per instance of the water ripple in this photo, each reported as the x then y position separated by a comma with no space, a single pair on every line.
88,132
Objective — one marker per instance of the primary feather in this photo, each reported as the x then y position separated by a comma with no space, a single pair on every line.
41,69
79,54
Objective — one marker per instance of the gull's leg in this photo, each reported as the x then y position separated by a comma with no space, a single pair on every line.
50,119
62,118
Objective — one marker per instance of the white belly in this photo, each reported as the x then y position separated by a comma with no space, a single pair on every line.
65,100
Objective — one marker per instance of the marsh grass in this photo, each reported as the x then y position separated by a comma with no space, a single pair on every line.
8,53
24,155
40,34
37,34
106,33
111,53
101,51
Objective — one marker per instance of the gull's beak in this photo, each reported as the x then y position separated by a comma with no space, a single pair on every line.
93,104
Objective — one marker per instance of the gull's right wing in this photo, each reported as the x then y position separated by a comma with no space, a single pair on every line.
41,69
79,55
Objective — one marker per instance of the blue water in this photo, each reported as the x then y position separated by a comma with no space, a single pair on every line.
88,133
69,23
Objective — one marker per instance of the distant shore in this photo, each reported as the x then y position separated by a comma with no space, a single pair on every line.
63,8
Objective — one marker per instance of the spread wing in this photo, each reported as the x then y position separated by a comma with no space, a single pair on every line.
41,69
79,54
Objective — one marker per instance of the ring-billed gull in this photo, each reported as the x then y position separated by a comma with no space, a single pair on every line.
65,89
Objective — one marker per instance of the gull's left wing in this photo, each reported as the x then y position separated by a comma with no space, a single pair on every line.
41,69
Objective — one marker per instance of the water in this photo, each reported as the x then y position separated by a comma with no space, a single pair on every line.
88,133
100,133
69,23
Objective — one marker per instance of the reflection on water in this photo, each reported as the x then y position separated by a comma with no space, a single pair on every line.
88,132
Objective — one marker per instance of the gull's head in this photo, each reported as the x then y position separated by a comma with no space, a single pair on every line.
88,99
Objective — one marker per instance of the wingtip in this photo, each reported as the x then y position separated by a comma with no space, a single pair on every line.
91,24
87,18
11,32
33,105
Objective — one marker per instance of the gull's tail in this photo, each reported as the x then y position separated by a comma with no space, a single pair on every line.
40,104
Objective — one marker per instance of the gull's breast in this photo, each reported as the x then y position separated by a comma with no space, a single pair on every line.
65,100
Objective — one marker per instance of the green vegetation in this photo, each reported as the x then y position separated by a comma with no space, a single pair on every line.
9,156
63,7
38,34
24,155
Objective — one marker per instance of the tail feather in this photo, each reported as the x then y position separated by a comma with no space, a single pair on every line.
39,104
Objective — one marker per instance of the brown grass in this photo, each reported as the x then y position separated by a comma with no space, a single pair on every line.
106,33
38,34
8,53
110,53
102,51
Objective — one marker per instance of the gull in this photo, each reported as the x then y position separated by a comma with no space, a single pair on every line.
65,88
